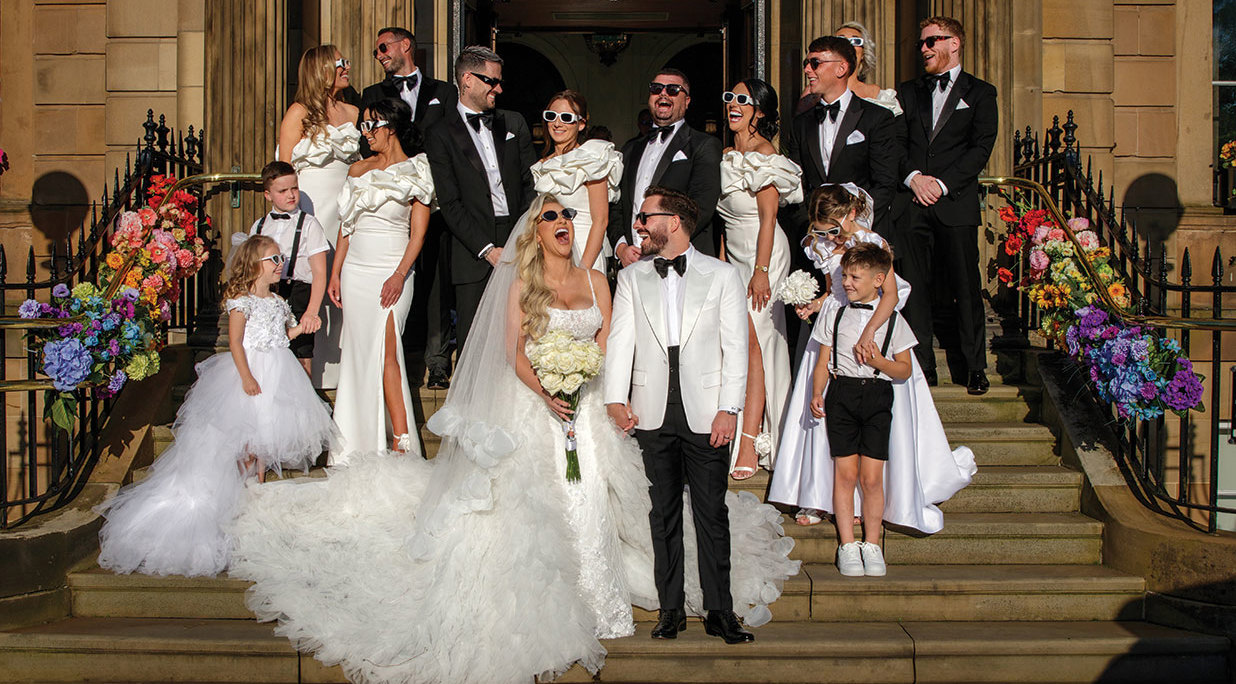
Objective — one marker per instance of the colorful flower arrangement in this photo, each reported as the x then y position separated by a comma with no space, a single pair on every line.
118,339
1139,372
1227,154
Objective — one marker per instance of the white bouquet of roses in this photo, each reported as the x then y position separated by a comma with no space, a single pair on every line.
797,289
564,364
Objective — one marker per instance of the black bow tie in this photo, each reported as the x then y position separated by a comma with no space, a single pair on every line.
660,133
938,81
276,215
405,82
860,305
663,265
485,119
829,110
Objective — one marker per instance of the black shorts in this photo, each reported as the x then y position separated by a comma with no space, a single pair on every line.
858,415
297,294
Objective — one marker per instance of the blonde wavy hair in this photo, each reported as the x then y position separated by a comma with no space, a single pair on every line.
316,76
536,296
246,265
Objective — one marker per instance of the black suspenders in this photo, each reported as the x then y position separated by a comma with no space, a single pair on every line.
888,335
295,241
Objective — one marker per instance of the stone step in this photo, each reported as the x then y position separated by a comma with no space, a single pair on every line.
155,650
998,593
972,538
1005,443
1001,404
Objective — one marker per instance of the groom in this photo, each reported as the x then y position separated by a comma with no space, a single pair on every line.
676,366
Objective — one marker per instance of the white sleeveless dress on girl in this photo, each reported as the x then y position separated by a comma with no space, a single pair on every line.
565,177
922,470
742,176
376,209
321,165
483,565
172,521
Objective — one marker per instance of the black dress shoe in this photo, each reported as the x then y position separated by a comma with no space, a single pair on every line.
978,383
725,624
438,381
932,379
670,621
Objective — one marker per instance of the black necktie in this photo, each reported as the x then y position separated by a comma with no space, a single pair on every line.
938,81
860,305
660,133
663,265
485,119
403,83
829,110
284,217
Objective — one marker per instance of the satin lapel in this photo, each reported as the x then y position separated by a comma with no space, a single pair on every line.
676,144
464,141
388,89
422,99
950,103
924,106
848,123
811,137
699,282
499,132
649,285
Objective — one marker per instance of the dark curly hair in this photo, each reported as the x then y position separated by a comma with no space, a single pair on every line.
399,114
766,97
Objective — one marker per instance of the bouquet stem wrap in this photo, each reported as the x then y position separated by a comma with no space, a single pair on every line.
563,364
568,431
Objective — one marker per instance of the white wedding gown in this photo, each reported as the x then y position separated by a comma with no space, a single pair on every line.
376,208
321,165
484,564
921,471
742,176
565,177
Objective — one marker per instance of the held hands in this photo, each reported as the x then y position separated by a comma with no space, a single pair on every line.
723,427
493,256
250,385
806,311
309,323
622,416
628,254
862,349
391,289
759,290
333,291
926,190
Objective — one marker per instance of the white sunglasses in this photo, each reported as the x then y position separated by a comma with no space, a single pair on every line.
742,99
372,124
564,117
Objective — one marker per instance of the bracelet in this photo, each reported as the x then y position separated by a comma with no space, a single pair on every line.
762,268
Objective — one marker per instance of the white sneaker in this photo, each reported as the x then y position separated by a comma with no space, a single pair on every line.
849,560
873,560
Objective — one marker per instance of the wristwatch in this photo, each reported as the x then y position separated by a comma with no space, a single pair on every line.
761,268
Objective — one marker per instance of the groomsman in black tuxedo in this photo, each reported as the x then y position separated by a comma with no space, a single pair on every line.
951,122
674,156
428,333
481,159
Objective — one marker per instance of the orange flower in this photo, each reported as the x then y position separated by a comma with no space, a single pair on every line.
1005,275
1008,214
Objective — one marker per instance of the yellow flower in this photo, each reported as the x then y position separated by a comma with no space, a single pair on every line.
115,260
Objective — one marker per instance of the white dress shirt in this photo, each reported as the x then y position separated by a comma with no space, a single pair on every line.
484,142
409,95
673,294
829,128
853,322
283,231
648,163
938,98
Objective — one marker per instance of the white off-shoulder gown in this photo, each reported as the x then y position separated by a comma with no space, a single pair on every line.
375,211
742,176
566,176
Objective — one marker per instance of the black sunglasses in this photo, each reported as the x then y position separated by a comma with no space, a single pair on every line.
815,62
551,215
728,97
487,80
930,41
671,89
564,117
384,47
643,216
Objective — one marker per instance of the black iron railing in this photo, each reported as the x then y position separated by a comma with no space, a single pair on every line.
42,467
1164,297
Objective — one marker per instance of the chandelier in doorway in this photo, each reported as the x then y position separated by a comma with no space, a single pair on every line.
607,45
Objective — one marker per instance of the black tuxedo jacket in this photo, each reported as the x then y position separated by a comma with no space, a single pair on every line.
698,175
871,163
955,150
463,188
443,95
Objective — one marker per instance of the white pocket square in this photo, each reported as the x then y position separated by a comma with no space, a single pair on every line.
434,101
679,156
855,138
510,136
961,104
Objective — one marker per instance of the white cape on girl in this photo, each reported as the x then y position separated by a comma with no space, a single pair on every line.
483,565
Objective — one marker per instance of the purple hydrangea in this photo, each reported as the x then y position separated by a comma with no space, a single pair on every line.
130,294
67,363
118,380
1185,390
29,309
60,290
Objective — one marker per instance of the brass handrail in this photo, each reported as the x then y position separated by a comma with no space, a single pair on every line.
1171,322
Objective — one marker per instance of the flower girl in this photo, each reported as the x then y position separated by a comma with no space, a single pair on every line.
922,470
251,409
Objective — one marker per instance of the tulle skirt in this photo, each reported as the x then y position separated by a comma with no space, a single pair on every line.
485,566
171,522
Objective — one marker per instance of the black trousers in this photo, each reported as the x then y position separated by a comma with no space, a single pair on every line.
670,453
427,335
468,295
941,263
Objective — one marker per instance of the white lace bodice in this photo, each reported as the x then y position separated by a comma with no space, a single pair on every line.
267,320
583,324
337,144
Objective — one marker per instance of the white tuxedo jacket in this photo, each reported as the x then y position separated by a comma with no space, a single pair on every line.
712,344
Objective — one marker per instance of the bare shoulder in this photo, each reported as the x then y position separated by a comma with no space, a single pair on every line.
296,112
361,167
352,110
765,147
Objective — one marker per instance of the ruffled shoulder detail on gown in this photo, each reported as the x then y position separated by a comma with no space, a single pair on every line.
340,143
565,174
754,171
402,182
888,100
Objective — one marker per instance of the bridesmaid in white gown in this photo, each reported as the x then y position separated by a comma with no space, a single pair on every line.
755,180
584,176
861,80
318,137
384,205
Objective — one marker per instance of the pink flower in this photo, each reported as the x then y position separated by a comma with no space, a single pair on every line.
1055,234
1039,261
1040,235
147,216
130,222
185,258
158,253
1088,239
1079,224
154,282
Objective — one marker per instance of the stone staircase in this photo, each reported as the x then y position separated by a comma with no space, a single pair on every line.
1012,590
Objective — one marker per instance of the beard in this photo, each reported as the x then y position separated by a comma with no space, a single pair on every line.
654,243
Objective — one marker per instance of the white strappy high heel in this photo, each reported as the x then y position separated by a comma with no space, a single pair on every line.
403,442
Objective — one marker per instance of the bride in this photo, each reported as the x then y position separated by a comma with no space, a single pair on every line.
485,564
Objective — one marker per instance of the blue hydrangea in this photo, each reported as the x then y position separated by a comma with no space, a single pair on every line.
67,363
29,309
